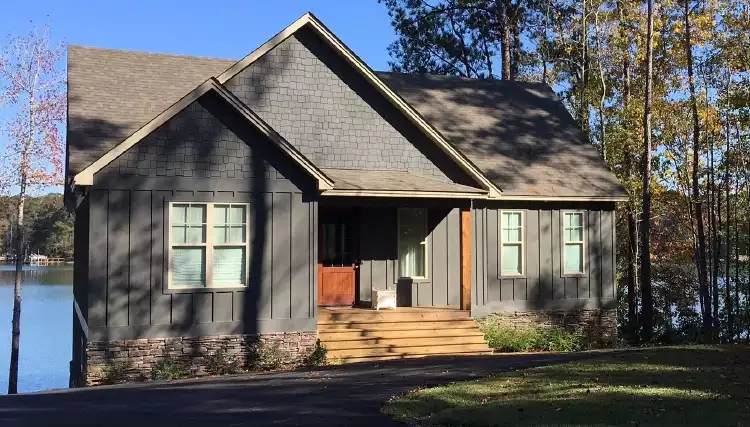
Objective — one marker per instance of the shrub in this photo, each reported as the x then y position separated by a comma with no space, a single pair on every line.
116,373
505,338
318,357
221,363
264,357
169,368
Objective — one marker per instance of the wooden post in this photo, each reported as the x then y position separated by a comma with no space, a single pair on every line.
465,259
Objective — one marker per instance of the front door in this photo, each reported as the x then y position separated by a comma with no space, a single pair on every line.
337,265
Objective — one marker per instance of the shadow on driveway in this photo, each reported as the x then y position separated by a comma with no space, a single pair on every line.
330,396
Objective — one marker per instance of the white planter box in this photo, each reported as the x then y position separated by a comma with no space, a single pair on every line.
384,298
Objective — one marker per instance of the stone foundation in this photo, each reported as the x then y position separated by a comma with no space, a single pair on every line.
133,360
598,327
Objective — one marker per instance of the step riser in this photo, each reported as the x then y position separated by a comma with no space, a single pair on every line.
407,356
403,350
394,326
392,316
345,334
402,342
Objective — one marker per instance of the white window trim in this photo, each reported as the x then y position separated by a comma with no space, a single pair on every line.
503,243
583,242
424,242
209,245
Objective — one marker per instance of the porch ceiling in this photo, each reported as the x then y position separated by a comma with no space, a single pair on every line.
394,184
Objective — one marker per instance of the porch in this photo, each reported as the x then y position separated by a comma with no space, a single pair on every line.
360,335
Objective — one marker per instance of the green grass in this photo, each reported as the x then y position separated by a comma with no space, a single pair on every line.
688,386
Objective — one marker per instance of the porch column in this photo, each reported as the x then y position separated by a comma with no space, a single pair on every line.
465,259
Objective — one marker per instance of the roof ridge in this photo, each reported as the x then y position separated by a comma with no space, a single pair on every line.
145,52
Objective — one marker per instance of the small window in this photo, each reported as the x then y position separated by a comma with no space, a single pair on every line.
511,244
573,249
412,243
208,245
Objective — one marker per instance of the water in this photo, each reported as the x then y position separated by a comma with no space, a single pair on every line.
46,327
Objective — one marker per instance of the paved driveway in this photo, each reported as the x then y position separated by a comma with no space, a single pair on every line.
332,396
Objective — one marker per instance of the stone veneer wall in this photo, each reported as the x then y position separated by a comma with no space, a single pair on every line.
142,354
597,326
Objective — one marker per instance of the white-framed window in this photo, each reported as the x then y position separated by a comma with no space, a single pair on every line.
574,247
512,259
412,243
207,245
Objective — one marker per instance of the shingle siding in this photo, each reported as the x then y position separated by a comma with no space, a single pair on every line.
326,120
193,144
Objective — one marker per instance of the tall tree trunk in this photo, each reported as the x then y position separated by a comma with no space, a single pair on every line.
599,54
628,163
583,106
505,38
713,247
727,257
717,261
516,64
647,300
16,322
701,251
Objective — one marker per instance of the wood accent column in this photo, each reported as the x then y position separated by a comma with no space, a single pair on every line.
465,259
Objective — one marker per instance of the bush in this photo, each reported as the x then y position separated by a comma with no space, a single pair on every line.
318,357
264,357
505,338
169,368
221,363
116,373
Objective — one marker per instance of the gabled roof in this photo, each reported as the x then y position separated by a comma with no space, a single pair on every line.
513,136
86,176
519,134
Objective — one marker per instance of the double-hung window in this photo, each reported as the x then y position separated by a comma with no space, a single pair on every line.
412,243
573,246
511,243
208,245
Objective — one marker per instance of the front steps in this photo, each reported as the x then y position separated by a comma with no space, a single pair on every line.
363,335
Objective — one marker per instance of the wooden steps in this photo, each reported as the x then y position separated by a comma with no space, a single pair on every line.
361,335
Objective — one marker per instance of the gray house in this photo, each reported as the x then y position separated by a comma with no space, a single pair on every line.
220,201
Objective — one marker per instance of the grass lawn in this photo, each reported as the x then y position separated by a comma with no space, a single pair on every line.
686,386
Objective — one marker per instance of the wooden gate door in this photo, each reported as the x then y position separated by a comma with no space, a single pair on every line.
337,268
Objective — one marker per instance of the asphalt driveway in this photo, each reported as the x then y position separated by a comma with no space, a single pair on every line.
332,396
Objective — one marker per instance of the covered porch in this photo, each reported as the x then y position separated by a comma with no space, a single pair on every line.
394,231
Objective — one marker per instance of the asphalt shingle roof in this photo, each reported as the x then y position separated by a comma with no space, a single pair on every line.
518,134
389,180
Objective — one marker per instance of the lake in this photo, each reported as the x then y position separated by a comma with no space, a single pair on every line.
46,327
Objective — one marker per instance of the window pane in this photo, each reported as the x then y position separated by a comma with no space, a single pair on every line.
412,251
512,235
188,266
574,258
178,234
229,266
197,214
512,259
196,234
238,215
179,214
237,234
573,219
220,234
220,214
573,234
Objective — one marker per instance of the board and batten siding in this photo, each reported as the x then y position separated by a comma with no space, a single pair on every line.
379,258
205,154
543,284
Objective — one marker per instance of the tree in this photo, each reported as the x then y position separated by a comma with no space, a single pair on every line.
647,302
34,88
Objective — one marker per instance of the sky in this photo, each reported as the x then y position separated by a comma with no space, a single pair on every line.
222,29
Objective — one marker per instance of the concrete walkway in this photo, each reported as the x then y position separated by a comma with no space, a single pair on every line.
331,396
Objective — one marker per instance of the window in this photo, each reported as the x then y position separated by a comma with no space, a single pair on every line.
208,245
573,249
412,243
511,242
